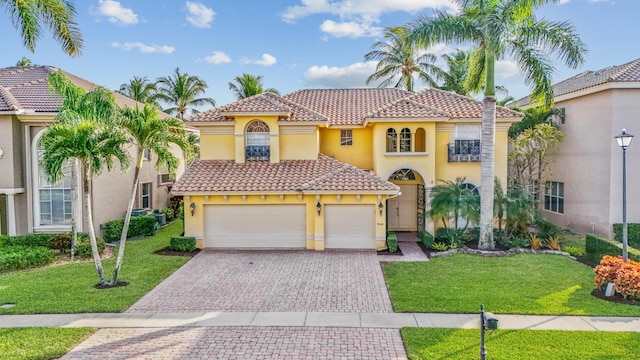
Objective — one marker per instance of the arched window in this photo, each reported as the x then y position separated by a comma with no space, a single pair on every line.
421,141
258,141
405,140
392,140
471,187
403,174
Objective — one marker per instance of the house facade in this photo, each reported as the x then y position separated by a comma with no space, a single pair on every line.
29,203
334,168
584,192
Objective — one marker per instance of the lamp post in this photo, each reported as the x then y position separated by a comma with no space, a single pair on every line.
624,140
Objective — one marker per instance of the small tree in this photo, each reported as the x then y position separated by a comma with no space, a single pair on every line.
453,201
513,210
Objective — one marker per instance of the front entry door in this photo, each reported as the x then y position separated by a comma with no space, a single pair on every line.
402,210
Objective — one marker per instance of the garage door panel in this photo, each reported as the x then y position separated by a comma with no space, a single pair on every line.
350,227
255,226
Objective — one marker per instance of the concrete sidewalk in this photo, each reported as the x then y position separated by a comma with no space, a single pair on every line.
318,319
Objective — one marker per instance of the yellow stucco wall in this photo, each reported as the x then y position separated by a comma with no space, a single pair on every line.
299,146
217,146
194,225
360,154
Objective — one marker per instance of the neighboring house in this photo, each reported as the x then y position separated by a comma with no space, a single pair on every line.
29,203
335,168
584,193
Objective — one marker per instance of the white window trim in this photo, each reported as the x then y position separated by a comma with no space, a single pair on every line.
150,195
557,197
348,139
160,182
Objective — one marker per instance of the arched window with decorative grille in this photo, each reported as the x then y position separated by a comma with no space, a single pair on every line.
257,141
405,140
392,140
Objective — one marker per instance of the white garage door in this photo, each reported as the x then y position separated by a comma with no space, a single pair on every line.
254,226
350,227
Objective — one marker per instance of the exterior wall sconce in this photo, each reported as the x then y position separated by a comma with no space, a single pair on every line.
318,207
193,208
380,207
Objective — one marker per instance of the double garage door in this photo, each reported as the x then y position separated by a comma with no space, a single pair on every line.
284,226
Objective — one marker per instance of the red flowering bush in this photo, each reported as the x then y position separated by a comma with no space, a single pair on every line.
624,276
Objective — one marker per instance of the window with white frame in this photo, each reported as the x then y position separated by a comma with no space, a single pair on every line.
405,140
146,155
145,195
346,137
392,140
258,141
164,179
554,197
52,200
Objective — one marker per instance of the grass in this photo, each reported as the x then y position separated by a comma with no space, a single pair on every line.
521,284
569,239
70,288
520,344
39,343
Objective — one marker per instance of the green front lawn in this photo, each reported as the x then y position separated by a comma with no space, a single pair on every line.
39,343
464,344
70,288
521,284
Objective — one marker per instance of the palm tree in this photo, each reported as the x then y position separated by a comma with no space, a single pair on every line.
83,133
399,59
24,62
180,91
515,207
455,76
453,201
28,17
499,28
140,89
145,130
248,85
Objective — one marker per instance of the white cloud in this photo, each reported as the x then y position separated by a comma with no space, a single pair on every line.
352,29
266,60
147,49
506,69
218,57
115,13
349,76
560,2
199,15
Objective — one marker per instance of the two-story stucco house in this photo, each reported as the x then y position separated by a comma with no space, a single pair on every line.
335,168
584,193
29,203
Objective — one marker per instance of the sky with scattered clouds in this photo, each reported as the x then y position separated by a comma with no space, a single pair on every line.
293,44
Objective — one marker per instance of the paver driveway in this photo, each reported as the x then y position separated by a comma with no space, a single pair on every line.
330,281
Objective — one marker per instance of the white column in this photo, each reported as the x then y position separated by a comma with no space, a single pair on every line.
11,215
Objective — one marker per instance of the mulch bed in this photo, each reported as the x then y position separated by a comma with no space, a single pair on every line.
386,252
168,252
118,284
616,298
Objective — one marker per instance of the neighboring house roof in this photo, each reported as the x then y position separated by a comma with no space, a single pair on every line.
629,72
322,175
354,107
25,88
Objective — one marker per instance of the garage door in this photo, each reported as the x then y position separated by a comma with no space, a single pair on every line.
350,227
254,226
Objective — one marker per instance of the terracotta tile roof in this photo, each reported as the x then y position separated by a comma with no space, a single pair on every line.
346,106
323,174
406,109
629,72
458,106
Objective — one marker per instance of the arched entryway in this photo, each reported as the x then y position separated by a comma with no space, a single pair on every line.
406,211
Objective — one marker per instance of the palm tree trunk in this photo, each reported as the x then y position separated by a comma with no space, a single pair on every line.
487,141
92,234
127,218
74,203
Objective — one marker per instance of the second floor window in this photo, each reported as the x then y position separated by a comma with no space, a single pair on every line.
405,140
346,137
258,141
392,140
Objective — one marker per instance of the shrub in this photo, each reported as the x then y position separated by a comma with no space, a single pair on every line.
633,234
83,249
596,247
573,251
3,240
515,241
22,257
181,210
392,241
624,275
182,243
553,243
169,213
29,240
138,226
535,242
546,229
61,242
426,238
451,236
439,246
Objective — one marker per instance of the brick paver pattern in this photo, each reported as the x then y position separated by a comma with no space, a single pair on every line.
411,251
246,343
271,281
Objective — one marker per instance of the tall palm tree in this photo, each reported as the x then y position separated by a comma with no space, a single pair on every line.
29,17
83,132
455,77
181,92
500,28
145,130
398,61
248,85
140,89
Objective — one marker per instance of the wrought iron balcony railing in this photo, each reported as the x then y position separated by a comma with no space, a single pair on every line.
464,151
258,152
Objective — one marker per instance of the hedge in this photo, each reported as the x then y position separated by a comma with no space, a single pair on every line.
392,241
138,226
182,243
426,238
633,234
30,240
597,247
23,257
83,248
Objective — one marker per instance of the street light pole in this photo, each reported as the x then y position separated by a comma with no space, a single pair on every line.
624,140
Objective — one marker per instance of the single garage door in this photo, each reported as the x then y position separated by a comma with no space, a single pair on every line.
349,227
254,226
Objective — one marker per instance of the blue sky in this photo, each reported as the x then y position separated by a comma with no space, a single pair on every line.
293,44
